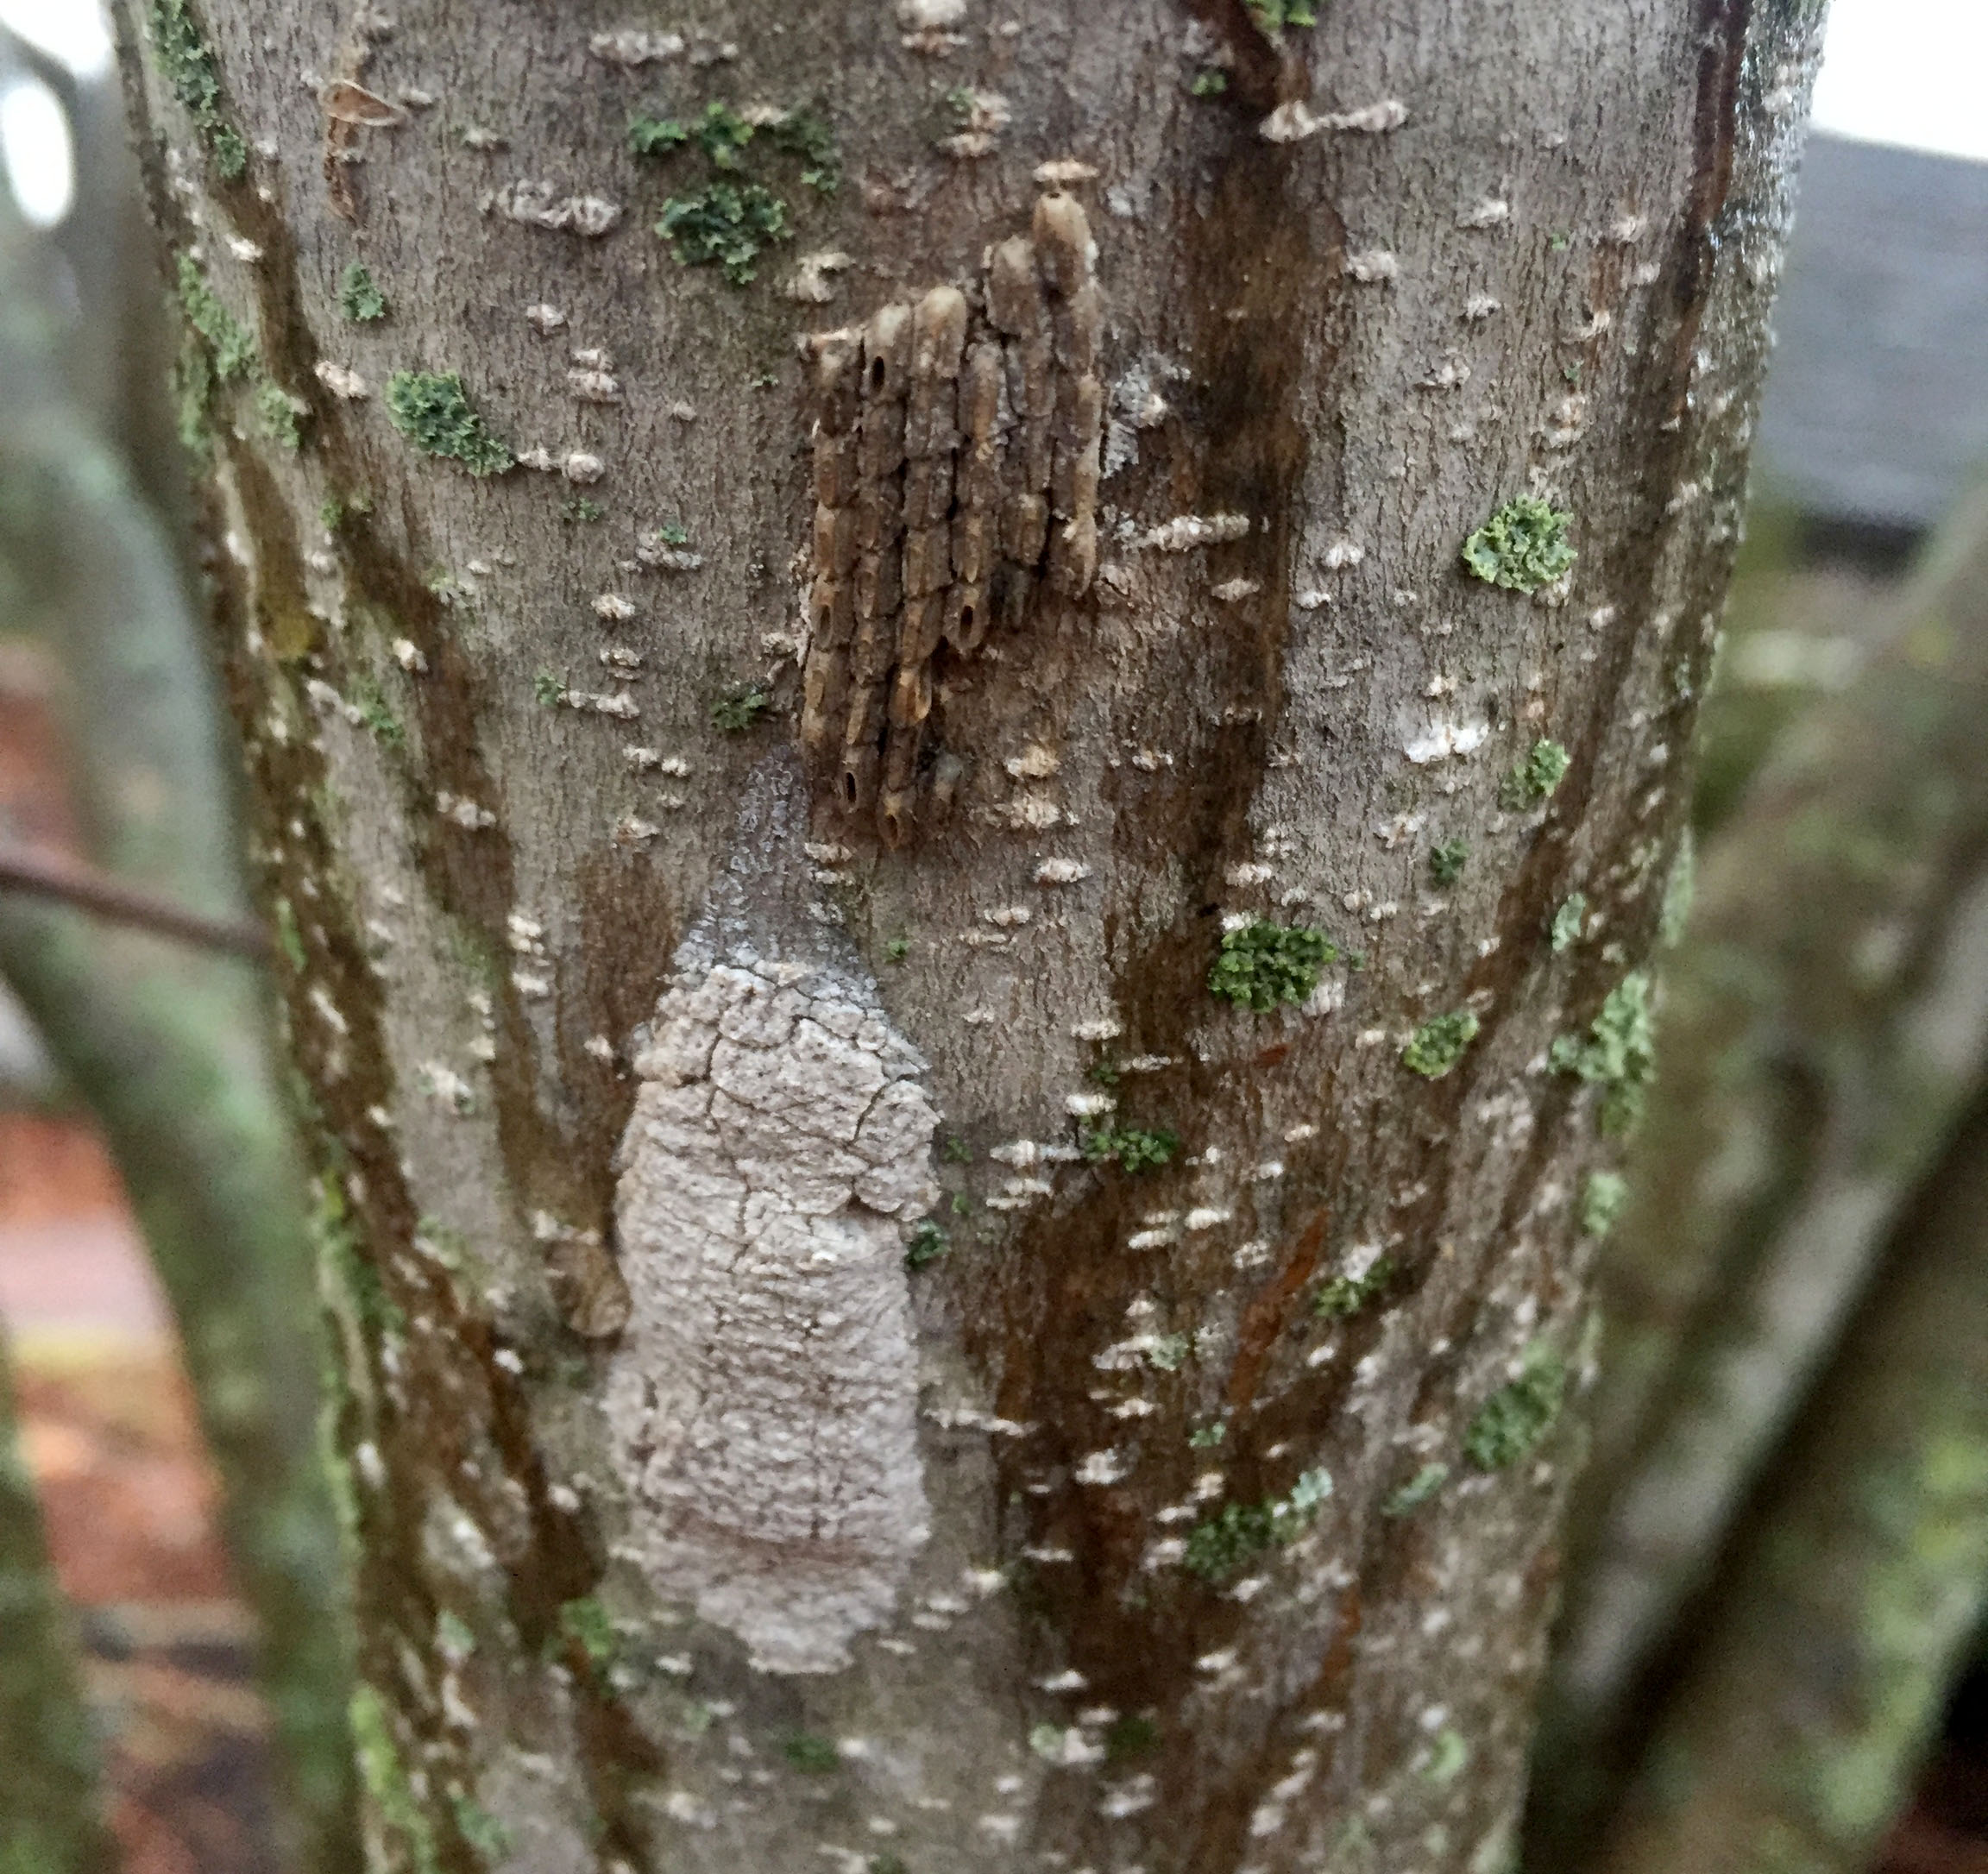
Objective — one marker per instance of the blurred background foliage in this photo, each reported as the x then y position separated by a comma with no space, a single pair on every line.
1770,1652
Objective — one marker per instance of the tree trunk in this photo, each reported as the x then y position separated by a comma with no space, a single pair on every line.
51,1813
1826,1028
172,1049
964,638
1856,1588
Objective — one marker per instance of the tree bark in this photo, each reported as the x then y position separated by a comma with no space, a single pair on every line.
51,1813
1855,1588
1826,1027
172,1050
1145,1519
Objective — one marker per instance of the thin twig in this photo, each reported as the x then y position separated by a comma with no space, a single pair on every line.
50,876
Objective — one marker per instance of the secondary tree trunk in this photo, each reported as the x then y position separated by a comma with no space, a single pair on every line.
961,616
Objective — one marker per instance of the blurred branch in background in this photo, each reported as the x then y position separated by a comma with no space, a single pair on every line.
1825,1025
171,1050
49,1817
1810,1691
52,876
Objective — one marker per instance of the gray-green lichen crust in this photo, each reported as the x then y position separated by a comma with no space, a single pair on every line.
433,412
1522,547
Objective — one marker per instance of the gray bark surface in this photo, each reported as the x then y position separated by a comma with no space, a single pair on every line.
626,1398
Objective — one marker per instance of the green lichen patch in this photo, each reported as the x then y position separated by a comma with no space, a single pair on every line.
187,62
1534,778
657,137
376,715
279,415
737,710
1618,1053
1264,966
1210,81
1512,1422
1449,1757
1439,1043
1602,1199
1206,1438
485,1835
359,298
1270,17
581,507
1129,1146
807,135
1568,921
1417,1491
548,688
1522,547
385,1779
585,1622
723,135
1169,1352
808,1752
1345,1295
897,949
1447,861
1223,1545
433,412
230,350
728,225
928,1242
192,392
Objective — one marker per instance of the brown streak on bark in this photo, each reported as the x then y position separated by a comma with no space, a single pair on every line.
1265,1318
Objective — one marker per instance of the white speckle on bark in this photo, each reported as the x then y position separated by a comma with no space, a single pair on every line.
340,382
1187,531
1442,739
1374,266
1294,122
636,45
762,1402
541,205
594,386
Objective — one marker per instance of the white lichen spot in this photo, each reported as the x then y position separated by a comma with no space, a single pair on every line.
540,204
636,45
1061,871
762,1401
408,655
1103,1467
1374,266
813,282
340,382
578,466
1294,122
1444,738
1035,762
464,812
544,319
1231,591
1187,531
594,385
1344,553
611,607
1493,211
